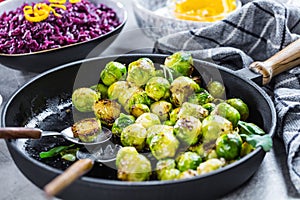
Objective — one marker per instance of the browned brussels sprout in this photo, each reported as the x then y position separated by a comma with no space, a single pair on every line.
83,99
163,165
190,109
210,165
139,109
116,89
107,111
87,130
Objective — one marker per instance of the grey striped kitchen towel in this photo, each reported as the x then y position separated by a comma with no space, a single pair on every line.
255,32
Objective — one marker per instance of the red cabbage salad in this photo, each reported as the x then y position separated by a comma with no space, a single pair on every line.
65,24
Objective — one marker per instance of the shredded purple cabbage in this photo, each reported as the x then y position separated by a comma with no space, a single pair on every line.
80,22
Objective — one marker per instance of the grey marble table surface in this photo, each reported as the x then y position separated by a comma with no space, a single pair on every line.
270,182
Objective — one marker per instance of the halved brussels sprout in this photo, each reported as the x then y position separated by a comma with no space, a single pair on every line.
181,63
107,111
87,130
158,88
134,135
140,71
121,122
83,99
188,129
113,72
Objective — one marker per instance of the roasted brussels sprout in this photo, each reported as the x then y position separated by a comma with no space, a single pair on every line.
83,99
210,165
227,111
121,122
181,89
188,160
161,109
181,63
163,165
190,109
240,106
158,88
188,129
216,89
156,129
147,120
169,174
212,127
246,149
101,88
107,111
163,145
116,89
140,71
132,166
139,109
134,135
187,174
113,72
229,146
200,98
87,130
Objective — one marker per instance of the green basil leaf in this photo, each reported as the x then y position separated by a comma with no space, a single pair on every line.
265,141
250,128
54,151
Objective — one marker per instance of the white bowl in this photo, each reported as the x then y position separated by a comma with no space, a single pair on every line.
155,21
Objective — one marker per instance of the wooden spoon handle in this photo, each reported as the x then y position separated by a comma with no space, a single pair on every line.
19,132
284,60
71,174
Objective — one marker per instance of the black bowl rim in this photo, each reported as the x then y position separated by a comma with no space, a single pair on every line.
144,183
117,3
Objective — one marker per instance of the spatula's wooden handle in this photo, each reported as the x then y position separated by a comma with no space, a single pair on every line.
19,132
284,60
71,174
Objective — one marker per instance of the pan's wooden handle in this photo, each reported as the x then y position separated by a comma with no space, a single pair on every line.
62,181
284,60
19,132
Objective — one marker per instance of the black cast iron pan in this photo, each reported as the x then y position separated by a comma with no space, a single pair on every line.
44,102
